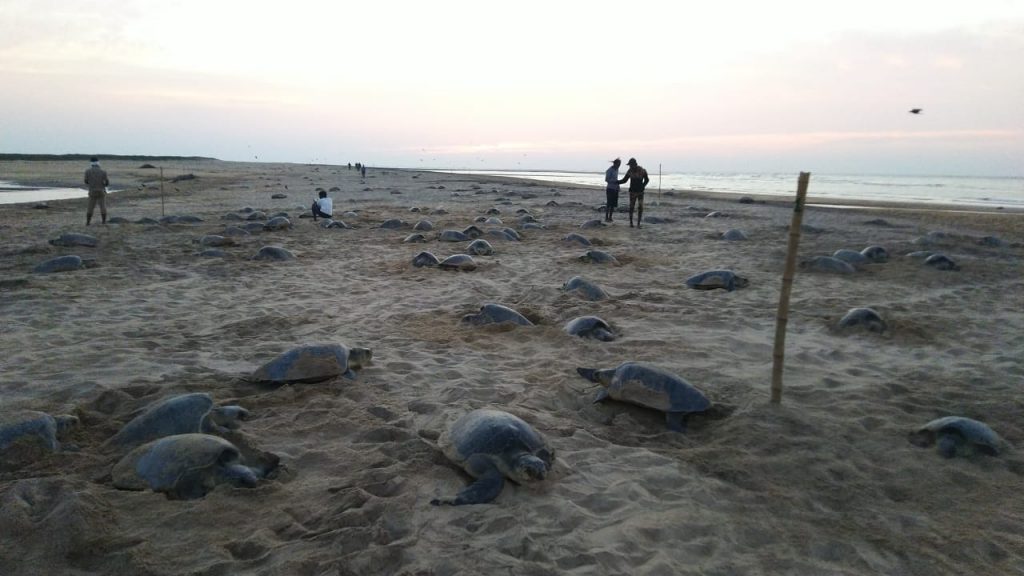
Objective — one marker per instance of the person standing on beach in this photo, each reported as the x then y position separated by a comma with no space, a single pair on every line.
323,207
611,178
638,181
96,180
362,170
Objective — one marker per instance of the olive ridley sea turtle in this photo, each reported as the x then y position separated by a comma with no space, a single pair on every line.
645,385
182,414
74,239
865,318
491,445
60,264
24,434
480,247
598,257
712,279
460,262
425,259
273,253
585,289
313,363
590,327
957,436
941,262
495,314
186,466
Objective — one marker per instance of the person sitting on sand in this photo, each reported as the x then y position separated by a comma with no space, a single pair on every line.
96,180
611,178
323,206
638,180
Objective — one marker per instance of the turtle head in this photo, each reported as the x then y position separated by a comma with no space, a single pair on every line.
740,282
474,319
229,416
65,423
359,357
597,375
529,468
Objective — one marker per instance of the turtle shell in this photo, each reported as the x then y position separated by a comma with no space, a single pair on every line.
496,314
480,247
850,256
864,318
274,253
712,279
652,387
461,262
827,264
176,415
425,259
74,239
577,239
590,327
585,288
185,464
598,257
977,434
452,236
28,426
495,434
876,254
60,264
310,363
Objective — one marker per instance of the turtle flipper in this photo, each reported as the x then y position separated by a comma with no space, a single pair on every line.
588,373
603,335
602,394
350,374
488,485
676,421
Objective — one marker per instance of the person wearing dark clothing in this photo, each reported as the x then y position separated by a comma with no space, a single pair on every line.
323,207
96,180
611,178
638,181
362,170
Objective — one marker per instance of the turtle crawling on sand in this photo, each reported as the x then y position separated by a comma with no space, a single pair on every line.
491,445
651,387
24,434
827,264
957,436
60,264
425,259
495,314
585,289
460,262
865,318
598,257
313,363
941,262
725,279
187,466
68,239
590,327
182,414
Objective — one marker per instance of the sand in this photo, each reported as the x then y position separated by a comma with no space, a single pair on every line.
825,483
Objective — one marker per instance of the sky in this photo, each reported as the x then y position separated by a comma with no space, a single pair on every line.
730,86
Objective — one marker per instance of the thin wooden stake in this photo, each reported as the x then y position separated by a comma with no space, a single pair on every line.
779,354
162,192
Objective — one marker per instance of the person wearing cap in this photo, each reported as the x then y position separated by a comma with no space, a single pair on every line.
96,180
638,180
611,177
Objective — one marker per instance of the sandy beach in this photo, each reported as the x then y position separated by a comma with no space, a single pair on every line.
825,483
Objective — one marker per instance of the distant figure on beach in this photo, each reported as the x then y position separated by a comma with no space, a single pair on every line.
96,180
611,178
638,180
362,170
323,207
349,165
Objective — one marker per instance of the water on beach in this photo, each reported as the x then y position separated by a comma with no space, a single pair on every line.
960,190
11,193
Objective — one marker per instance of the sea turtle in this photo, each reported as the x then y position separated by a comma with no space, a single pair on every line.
500,235
253,227
651,387
527,218
473,232
493,212
876,254
25,434
186,466
257,215
146,220
941,262
279,215
920,254
411,238
216,240
425,259
734,235
495,314
480,247
512,234
585,288
273,253
350,215
423,226
827,264
494,221
278,223
598,257
60,264
452,236
574,238
278,196
74,239
957,435
851,257
313,363
533,226
863,318
491,445
712,279
595,223
658,220
231,217
182,414
460,262
333,224
590,327
236,231
393,223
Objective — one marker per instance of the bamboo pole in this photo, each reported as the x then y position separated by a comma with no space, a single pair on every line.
162,192
659,183
781,319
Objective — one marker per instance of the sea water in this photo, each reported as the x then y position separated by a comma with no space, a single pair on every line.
11,193
957,190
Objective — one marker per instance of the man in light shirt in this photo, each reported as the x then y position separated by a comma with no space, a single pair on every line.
323,207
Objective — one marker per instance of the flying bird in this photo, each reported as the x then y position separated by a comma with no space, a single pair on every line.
915,110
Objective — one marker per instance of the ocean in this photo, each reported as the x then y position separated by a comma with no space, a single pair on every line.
956,190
